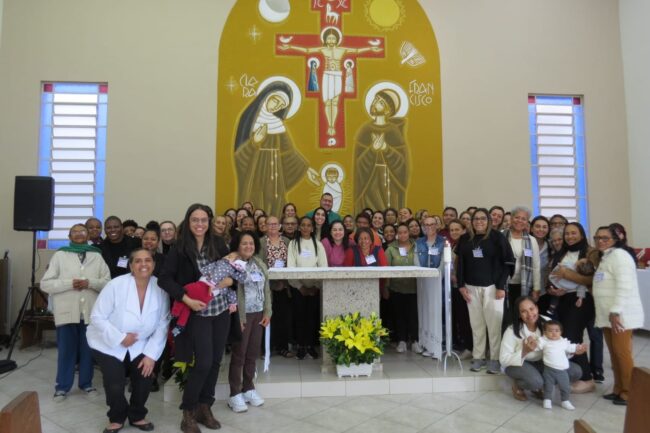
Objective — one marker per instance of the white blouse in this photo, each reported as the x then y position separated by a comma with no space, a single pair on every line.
117,312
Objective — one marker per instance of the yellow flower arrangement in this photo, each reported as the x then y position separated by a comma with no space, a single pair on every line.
353,339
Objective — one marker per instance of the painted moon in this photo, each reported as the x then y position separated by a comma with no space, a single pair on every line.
274,11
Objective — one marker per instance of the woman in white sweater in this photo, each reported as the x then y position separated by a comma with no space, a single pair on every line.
73,279
618,308
305,251
522,363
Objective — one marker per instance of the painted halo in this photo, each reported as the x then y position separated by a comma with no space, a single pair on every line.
296,97
348,62
336,167
336,29
404,101
314,59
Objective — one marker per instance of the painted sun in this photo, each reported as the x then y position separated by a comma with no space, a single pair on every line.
385,15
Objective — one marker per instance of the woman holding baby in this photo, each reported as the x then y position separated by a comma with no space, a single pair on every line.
567,298
204,338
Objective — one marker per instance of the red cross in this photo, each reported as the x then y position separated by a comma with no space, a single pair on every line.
340,83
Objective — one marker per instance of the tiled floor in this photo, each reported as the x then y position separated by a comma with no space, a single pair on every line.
449,412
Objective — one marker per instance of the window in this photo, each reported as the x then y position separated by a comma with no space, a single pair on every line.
557,145
72,149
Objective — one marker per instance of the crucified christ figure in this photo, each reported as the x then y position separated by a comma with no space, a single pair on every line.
332,84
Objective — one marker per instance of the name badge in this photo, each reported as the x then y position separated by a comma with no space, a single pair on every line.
122,262
433,251
371,259
403,252
478,253
239,264
599,276
305,253
528,252
257,277
279,264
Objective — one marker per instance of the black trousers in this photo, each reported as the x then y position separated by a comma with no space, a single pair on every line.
461,328
208,335
114,376
282,320
405,316
306,312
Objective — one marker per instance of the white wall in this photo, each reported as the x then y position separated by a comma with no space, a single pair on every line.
160,60
635,43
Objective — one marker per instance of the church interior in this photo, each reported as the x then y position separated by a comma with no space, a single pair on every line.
453,81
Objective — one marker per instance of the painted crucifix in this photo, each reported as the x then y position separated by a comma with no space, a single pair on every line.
327,54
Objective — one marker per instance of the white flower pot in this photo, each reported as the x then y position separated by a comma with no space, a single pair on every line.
354,370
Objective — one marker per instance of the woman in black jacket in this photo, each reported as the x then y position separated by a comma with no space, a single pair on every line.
204,338
485,261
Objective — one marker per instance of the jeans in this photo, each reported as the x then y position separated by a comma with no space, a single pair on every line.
72,347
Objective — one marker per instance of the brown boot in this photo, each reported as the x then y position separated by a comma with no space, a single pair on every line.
189,425
204,416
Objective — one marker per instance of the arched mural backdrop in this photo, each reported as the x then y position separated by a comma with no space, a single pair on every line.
339,96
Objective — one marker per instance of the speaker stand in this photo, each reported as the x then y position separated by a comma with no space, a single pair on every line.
7,364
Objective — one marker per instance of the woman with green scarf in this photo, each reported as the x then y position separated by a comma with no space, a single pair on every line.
73,279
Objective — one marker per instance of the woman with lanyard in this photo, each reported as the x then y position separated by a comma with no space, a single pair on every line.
336,244
517,353
485,261
525,279
403,291
429,250
274,252
127,332
572,311
539,228
618,308
362,252
254,298
73,279
204,339
306,252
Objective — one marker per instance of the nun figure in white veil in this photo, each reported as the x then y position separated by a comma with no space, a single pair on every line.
267,163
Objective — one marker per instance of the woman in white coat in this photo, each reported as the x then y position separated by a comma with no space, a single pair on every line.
128,330
73,279
618,308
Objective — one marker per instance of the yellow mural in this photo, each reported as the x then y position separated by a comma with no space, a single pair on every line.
338,96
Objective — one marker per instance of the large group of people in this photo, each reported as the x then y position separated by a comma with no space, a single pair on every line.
525,290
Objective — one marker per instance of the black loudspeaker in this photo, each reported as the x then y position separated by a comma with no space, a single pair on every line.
33,203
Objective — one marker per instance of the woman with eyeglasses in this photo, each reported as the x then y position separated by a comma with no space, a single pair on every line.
204,339
485,261
274,249
618,308
567,305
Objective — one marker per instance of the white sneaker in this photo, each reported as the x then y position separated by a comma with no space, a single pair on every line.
426,354
253,398
401,347
237,403
59,396
567,405
416,348
548,405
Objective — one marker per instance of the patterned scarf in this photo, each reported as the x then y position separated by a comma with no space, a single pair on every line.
526,264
